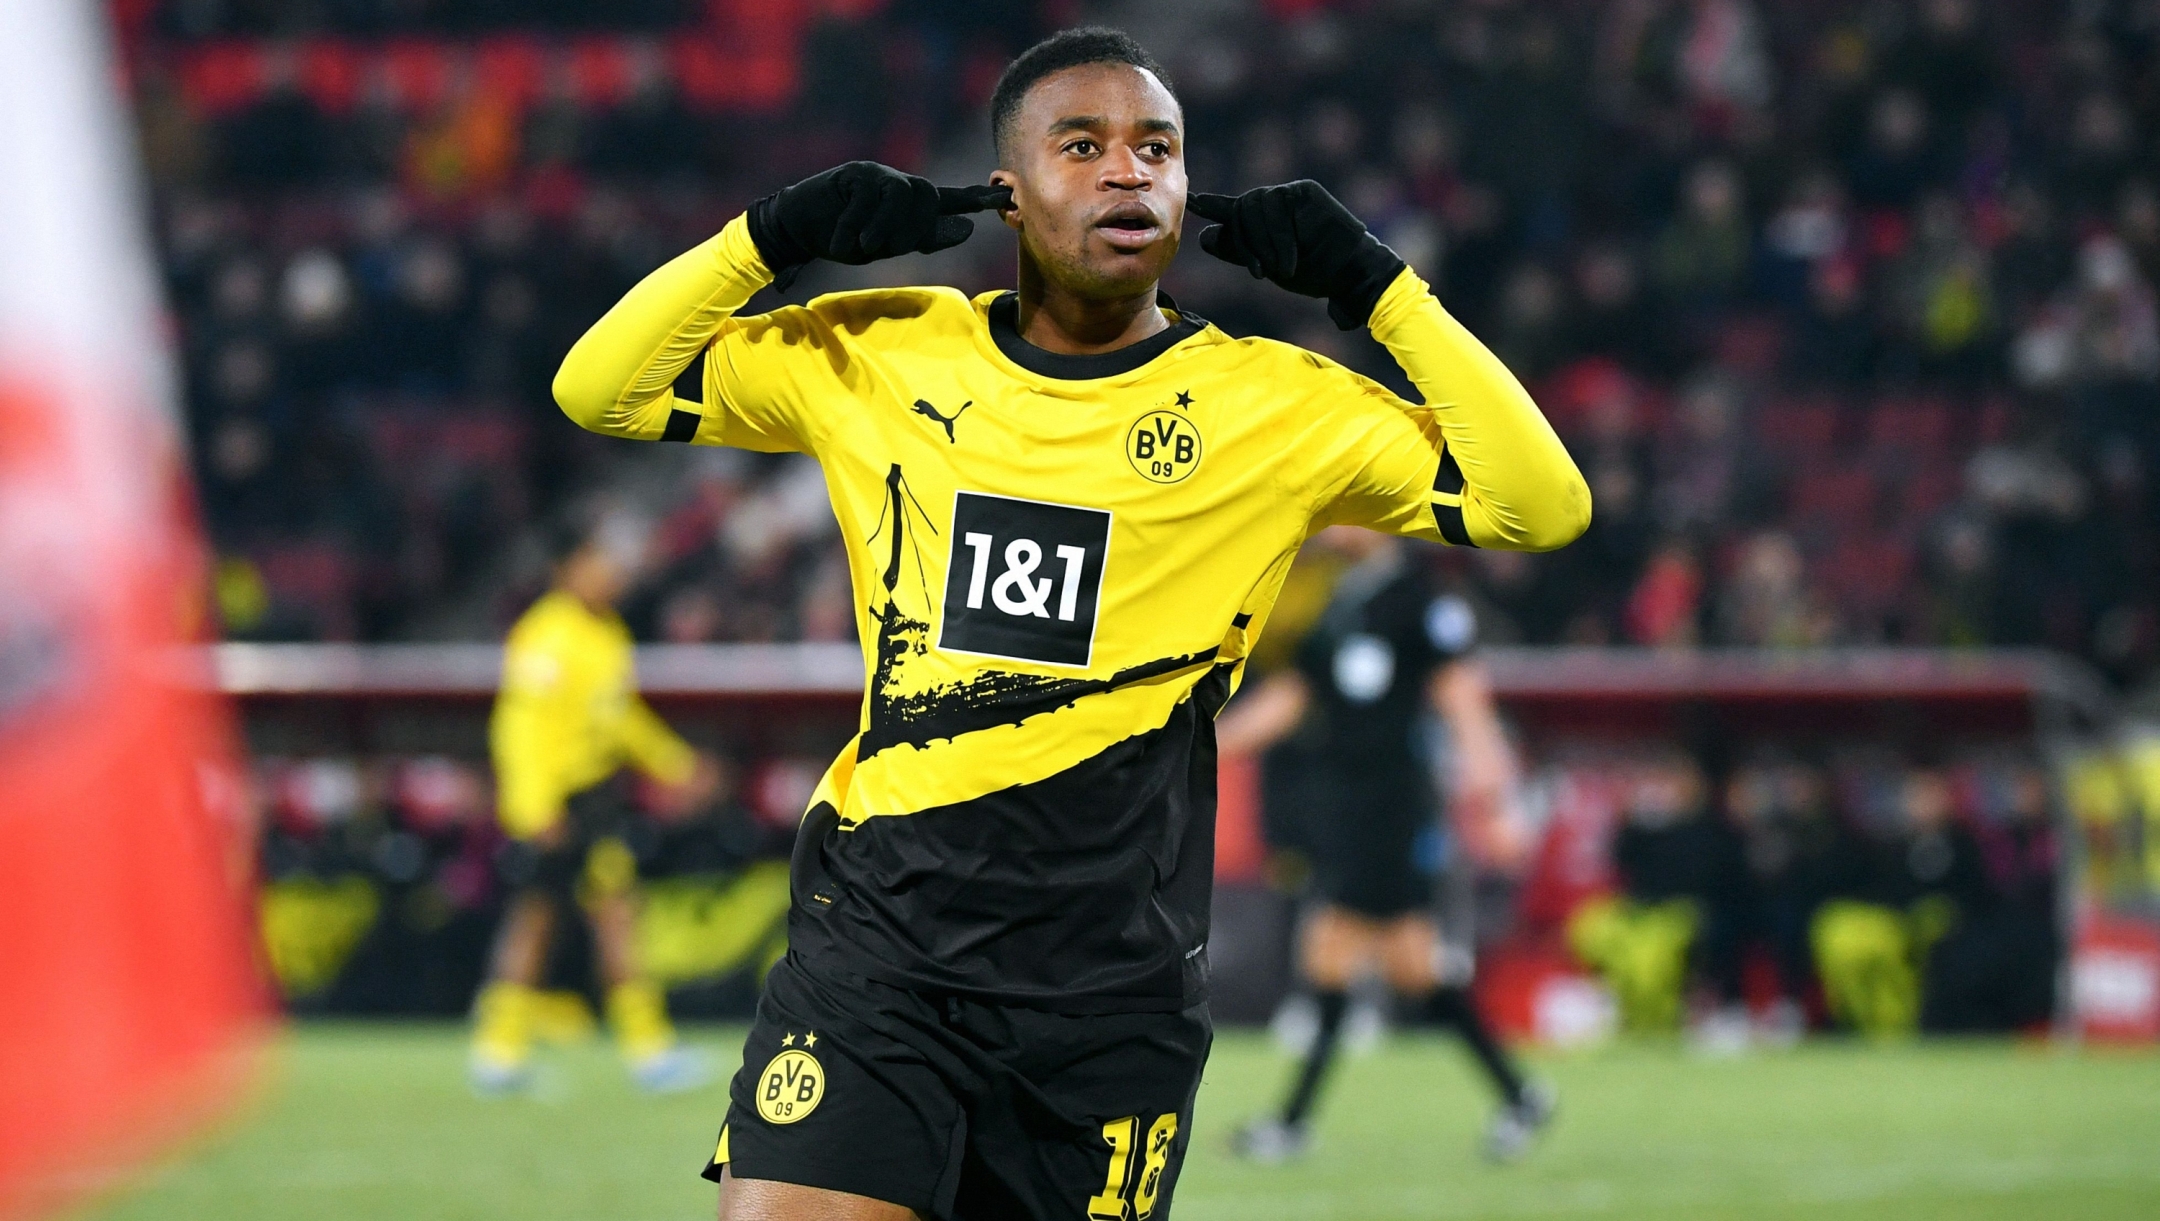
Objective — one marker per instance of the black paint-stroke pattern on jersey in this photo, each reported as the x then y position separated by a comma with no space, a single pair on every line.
988,700
1085,891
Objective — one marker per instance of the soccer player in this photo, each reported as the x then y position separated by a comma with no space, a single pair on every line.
1067,510
567,720
1389,646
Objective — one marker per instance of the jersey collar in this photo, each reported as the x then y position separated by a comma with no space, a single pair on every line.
1004,319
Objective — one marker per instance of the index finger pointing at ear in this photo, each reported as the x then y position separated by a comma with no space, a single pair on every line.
952,201
1209,206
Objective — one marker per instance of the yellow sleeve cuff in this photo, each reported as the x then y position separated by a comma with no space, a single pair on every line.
737,255
1403,296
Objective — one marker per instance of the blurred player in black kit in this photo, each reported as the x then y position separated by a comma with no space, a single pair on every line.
1389,647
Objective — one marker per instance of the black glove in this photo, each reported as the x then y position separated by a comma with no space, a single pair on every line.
1297,235
862,212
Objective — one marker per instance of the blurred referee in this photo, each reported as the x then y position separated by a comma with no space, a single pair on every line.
1388,647
568,719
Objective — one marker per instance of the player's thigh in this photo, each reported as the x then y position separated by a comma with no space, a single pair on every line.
530,914
765,1200
1335,945
837,1093
545,866
1410,954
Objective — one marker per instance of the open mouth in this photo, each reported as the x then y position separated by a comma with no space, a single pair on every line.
1129,226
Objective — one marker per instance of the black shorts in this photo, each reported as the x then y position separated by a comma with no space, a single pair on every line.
1365,857
960,1110
1377,895
527,868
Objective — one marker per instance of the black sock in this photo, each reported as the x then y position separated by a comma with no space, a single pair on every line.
1332,1007
1453,1007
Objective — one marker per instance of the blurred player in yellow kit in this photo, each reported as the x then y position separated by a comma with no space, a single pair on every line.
567,721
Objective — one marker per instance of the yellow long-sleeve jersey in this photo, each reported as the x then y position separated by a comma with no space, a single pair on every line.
1060,565
569,716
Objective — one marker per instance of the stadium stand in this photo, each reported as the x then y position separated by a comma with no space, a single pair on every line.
1848,309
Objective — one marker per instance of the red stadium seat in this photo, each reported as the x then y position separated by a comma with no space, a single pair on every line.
599,71
332,74
704,76
1798,426
1926,491
417,72
512,68
1868,574
1919,427
224,77
1835,494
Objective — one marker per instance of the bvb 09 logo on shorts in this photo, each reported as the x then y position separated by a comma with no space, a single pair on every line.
791,1087
1163,446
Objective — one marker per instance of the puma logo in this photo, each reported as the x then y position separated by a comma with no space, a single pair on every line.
923,408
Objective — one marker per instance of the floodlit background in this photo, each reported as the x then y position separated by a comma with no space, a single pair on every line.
1847,311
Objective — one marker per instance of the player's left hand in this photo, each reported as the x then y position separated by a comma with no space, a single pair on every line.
1300,237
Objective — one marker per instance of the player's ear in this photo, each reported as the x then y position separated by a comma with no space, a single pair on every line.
1011,182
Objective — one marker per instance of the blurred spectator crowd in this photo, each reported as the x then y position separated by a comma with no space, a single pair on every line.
1745,895
383,881
1846,309
1754,898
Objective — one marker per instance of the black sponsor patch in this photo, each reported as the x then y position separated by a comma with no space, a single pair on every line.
1023,578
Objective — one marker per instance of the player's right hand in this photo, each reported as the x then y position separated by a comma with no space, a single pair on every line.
861,212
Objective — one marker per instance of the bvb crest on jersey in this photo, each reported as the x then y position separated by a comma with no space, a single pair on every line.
1164,446
791,1087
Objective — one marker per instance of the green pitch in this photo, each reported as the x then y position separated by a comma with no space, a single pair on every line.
373,1123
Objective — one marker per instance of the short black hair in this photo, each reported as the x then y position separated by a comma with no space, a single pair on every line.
1087,44
568,533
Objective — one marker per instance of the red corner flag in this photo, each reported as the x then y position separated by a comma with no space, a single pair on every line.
127,982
